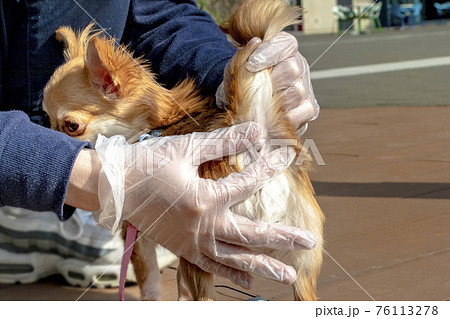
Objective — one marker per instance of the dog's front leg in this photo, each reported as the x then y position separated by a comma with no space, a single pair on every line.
146,268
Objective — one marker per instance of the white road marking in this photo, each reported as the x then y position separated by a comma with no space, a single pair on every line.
380,68
375,38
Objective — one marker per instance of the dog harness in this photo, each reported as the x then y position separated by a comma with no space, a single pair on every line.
152,133
131,236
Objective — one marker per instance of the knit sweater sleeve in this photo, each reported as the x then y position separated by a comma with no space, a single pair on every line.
179,40
35,164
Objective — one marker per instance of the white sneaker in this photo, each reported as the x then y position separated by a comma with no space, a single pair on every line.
35,245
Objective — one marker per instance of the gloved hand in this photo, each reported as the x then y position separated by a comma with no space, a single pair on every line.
155,185
290,76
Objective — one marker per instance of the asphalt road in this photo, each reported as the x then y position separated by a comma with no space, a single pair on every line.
416,86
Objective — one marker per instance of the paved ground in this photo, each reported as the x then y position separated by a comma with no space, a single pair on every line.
386,193
385,188
417,87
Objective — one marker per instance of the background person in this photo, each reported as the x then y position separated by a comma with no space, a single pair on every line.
37,164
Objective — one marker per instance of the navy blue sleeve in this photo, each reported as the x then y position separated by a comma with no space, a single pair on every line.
35,164
180,40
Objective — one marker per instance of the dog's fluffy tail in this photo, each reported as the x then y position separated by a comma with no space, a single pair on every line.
252,96
260,18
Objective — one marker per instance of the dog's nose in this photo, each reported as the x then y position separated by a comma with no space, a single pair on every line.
73,128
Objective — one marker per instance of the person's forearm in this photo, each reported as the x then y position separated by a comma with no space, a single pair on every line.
35,164
82,191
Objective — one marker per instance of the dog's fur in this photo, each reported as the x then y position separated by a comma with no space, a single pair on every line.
101,89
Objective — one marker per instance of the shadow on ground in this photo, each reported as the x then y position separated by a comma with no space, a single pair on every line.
384,189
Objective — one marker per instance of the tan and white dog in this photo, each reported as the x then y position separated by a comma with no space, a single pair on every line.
102,89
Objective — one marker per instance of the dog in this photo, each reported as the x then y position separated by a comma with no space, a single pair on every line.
102,89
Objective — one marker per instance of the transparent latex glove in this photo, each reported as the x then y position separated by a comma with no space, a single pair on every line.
155,185
290,77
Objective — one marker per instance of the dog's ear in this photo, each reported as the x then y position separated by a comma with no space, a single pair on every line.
71,45
101,77
74,42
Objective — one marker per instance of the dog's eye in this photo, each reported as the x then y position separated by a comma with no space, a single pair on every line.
71,127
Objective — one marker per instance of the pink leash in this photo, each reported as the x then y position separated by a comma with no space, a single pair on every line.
130,239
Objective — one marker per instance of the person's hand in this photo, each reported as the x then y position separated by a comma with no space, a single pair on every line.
290,77
155,185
